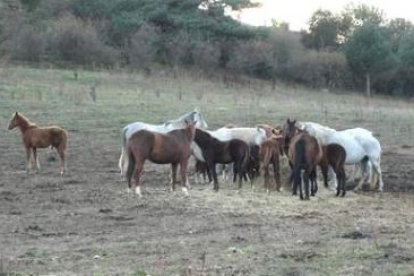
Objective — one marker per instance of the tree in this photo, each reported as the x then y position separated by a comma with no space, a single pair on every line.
368,52
323,31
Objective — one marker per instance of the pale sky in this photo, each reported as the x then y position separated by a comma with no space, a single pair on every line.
298,12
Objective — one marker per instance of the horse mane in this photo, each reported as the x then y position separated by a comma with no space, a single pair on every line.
26,120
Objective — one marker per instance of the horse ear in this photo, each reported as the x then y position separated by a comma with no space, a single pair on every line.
294,121
288,120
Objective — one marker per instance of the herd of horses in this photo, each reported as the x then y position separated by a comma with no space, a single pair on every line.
251,150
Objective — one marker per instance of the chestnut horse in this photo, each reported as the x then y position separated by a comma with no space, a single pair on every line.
40,137
334,155
269,153
218,152
173,148
304,153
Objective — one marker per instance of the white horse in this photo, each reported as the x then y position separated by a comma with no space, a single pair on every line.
250,135
360,146
130,129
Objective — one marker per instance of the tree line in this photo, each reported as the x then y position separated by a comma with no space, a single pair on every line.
358,48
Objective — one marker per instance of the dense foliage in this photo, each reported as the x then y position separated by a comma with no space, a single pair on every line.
356,49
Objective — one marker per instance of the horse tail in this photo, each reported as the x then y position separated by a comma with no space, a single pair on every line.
299,162
131,165
122,163
245,161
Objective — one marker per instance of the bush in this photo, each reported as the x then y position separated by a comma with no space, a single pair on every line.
78,42
27,44
254,58
206,55
142,49
320,69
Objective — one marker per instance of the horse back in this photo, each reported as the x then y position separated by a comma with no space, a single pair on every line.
42,137
160,148
312,149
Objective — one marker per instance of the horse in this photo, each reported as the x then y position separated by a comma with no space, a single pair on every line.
269,153
215,151
130,129
173,148
360,146
250,135
334,155
201,168
304,153
35,137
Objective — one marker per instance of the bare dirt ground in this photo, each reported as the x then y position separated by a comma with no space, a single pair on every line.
85,223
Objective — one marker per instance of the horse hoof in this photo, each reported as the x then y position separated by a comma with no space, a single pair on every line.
185,191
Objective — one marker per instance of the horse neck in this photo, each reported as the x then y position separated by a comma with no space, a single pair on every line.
25,124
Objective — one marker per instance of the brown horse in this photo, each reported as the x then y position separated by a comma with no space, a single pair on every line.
334,155
40,137
173,148
304,153
269,153
218,152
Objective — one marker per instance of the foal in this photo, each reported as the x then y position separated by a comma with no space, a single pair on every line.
173,148
269,153
304,153
40,137
215,151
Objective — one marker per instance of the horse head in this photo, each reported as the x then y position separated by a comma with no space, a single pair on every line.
190,126
14,121
199,118
289,129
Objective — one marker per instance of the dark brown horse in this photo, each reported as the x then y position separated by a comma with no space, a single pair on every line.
270,150
304,153
170,148
218,152
35,137
334,155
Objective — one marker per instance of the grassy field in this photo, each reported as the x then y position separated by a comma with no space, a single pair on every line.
86,224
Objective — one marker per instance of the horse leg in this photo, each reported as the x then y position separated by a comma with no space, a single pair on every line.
174,167
332,176
36,160
213,171
364,168
138,170
342,180
306,175
313,182
61,151
184,177
276,173
378,175
28,160
266,177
